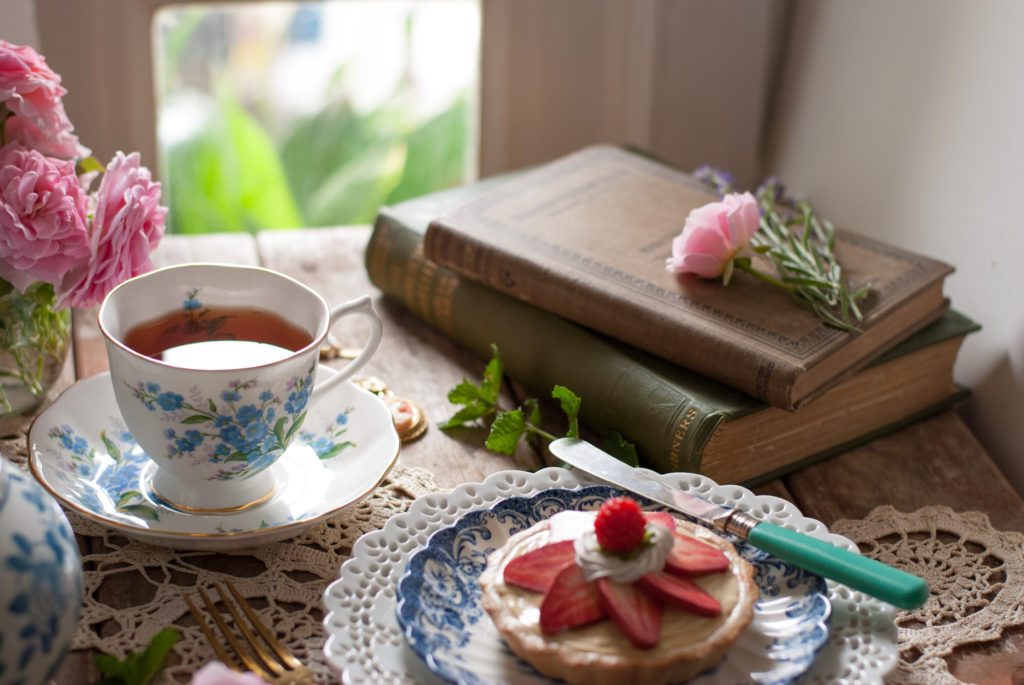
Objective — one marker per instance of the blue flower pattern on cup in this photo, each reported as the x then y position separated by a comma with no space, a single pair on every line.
329,444
245,429
439,597
42,576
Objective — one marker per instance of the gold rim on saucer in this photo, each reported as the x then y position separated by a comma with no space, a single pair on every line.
167,502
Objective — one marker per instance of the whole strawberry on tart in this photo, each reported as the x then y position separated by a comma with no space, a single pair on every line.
618,594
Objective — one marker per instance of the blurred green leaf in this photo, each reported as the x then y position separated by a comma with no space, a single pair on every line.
229,178
136,668
437,154
333,168
353,193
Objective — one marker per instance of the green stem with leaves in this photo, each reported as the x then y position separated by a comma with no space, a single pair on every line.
33,337
479,404
802,248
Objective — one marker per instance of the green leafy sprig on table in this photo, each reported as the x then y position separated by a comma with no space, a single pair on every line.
801,247
479,403
137,668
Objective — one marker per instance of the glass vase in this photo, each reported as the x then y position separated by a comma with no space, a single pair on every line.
34,344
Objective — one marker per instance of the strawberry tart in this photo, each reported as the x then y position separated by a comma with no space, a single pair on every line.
618,595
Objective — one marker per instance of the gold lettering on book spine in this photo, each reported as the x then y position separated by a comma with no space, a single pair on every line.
444,294
429,291
679,438
420,273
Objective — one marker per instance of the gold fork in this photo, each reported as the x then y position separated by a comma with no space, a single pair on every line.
267,658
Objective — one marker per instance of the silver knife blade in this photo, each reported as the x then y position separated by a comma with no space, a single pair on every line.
586,457
818,556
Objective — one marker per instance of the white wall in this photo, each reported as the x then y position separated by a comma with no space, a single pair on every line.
18,23
905,120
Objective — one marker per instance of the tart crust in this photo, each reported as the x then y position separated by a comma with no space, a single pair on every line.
599,653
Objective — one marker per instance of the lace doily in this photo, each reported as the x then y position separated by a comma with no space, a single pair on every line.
976,576
284,581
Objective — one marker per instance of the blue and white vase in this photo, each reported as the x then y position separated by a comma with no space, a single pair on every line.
40,580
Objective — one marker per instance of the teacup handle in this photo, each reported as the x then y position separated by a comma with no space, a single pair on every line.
364,306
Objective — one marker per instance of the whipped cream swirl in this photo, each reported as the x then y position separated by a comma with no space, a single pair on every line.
597,564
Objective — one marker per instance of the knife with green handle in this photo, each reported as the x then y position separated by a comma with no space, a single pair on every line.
872,577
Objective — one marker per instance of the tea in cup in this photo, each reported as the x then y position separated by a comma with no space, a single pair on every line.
213,366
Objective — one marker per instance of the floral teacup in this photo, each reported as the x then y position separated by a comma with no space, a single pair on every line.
214,418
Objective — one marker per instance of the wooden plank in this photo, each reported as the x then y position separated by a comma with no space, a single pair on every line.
414,360
937,461
934,462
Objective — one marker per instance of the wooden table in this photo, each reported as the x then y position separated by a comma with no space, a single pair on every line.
935,462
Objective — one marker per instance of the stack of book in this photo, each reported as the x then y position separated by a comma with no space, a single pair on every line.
562,267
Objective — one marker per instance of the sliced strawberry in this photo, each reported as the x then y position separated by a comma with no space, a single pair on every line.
690,557
679,592
536,569
570,602
663,517
635,613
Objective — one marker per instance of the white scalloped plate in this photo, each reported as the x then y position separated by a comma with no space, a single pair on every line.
365,643
443,621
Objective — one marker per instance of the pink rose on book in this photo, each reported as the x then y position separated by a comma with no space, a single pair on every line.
43,230
713,234
32,91
126,226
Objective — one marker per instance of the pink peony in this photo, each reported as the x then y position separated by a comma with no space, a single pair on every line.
127,225
43,232
713,234
216,673
32,92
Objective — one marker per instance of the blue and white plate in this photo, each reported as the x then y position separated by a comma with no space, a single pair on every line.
440,613
367,647
81,451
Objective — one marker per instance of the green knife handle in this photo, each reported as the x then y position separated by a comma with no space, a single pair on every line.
899,588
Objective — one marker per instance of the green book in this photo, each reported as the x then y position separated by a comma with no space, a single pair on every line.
678,419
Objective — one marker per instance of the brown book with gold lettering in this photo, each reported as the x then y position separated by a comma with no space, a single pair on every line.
586,237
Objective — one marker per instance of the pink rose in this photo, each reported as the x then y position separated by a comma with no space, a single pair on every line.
43,232
60,142
127,225
713,234
32,91
216,673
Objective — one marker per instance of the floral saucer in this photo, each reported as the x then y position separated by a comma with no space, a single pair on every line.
81,451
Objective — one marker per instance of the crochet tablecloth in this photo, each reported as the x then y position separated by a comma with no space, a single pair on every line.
976,575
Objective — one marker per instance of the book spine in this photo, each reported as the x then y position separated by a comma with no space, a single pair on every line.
619,393
692,344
